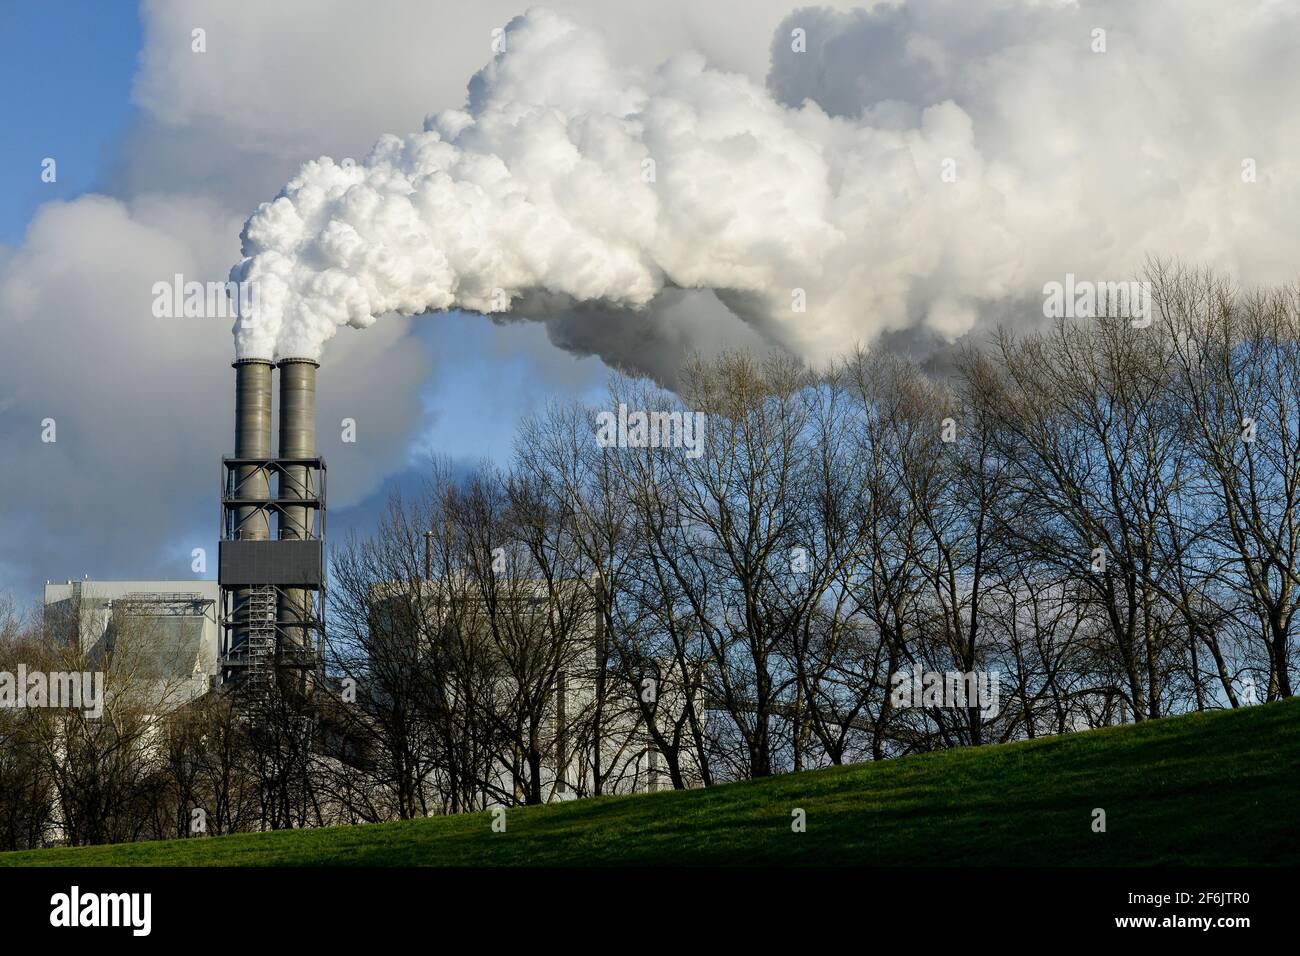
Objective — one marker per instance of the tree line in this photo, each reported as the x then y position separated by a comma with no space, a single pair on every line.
1100,513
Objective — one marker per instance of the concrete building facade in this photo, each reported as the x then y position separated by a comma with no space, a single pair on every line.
164,633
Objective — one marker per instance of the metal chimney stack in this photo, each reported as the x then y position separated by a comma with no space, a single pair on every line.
297,441
252,440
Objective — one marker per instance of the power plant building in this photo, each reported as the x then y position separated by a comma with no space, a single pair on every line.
163,634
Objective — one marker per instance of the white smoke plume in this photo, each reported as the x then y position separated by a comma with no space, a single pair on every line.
914,169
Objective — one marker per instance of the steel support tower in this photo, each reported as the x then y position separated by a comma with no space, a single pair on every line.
272,611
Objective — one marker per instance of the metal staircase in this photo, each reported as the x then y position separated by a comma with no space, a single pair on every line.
260,650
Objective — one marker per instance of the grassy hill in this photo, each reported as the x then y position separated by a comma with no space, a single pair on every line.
1218,789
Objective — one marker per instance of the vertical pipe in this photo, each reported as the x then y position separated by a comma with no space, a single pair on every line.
252,440
297,440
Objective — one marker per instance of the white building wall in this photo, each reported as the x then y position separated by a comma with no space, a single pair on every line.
184,643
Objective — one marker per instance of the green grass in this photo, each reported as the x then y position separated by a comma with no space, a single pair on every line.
1221,788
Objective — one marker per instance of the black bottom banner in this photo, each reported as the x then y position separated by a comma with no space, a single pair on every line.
947,905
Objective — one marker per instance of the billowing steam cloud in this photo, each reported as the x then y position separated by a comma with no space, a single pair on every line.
914,169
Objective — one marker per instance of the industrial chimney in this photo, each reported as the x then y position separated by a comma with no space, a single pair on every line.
252,440
273,588
297,481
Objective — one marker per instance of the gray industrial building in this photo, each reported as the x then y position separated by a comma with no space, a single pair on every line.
626,754
163,634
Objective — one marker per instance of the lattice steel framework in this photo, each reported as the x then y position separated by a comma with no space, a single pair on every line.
258,574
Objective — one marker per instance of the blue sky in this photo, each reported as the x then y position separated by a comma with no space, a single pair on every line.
66,70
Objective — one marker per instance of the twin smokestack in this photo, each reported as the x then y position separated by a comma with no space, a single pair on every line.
296,475
297,441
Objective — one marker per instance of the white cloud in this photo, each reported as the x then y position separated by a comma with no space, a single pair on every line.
1067,161
142,405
